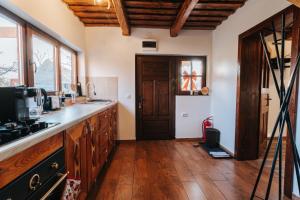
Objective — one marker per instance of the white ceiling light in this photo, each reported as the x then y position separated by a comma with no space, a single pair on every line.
102,1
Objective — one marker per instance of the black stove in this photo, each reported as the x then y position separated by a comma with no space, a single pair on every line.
12,131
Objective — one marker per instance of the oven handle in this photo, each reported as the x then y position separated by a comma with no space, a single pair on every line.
63,176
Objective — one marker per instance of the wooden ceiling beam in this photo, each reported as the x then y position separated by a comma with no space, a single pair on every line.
151,11
92,9
203,23
212,12
96,15
85,3
218,5
99,21
101,25
199,27
295,2
151,17
151,26
122,17
151,22
152,4
183,15
206,18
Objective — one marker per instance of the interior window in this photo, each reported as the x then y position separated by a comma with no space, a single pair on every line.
67,64
192,75
11,55
43,53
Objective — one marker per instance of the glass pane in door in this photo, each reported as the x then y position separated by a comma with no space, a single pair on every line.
44,64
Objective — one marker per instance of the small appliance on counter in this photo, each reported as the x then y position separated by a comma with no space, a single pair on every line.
53,103
13,104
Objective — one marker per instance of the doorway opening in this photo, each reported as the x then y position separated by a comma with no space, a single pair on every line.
257,102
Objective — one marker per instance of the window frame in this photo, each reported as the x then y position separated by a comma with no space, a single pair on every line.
31,31
27,31
23,46
178,74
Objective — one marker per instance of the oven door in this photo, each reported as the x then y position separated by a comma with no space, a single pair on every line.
46,180
52,189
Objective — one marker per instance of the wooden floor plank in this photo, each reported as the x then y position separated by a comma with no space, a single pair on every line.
193,191
175,170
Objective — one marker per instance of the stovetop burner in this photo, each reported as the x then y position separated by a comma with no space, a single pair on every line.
15,130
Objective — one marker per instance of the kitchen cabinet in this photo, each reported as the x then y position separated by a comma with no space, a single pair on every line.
76,154
88,146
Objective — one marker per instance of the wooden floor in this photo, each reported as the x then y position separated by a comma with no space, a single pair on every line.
154,170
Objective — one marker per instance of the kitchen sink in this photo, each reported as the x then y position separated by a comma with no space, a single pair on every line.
99,101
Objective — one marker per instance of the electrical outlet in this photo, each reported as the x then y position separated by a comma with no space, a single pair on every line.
184,115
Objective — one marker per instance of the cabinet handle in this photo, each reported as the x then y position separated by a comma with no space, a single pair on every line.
63,176
92,128
34,182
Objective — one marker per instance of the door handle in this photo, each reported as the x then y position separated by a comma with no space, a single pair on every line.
140,105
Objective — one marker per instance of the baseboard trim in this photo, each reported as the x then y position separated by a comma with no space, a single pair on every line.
126,141
188,139
295,197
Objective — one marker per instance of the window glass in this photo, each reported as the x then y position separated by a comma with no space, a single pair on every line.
197,68
11,64
186,67
192,75
44,65
67,69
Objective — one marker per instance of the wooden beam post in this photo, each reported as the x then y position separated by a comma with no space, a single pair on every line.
121,15
295,2
184,13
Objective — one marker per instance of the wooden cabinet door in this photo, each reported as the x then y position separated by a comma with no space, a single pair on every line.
103,135
114,120
75,149
92,151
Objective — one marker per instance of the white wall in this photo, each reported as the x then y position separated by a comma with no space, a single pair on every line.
197,108
225,62
274,104
111,54
55,18
295,184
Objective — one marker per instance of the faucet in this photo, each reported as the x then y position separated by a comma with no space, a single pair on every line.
94,88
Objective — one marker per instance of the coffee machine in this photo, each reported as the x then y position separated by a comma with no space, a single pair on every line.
13,104
20,103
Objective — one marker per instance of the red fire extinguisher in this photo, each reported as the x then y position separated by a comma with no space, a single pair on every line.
207,123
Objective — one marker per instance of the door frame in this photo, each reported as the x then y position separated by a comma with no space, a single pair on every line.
239,134
138,134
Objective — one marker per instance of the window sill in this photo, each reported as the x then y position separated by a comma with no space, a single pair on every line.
193,95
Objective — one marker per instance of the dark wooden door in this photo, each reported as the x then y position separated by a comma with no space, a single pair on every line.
248,104
155,97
